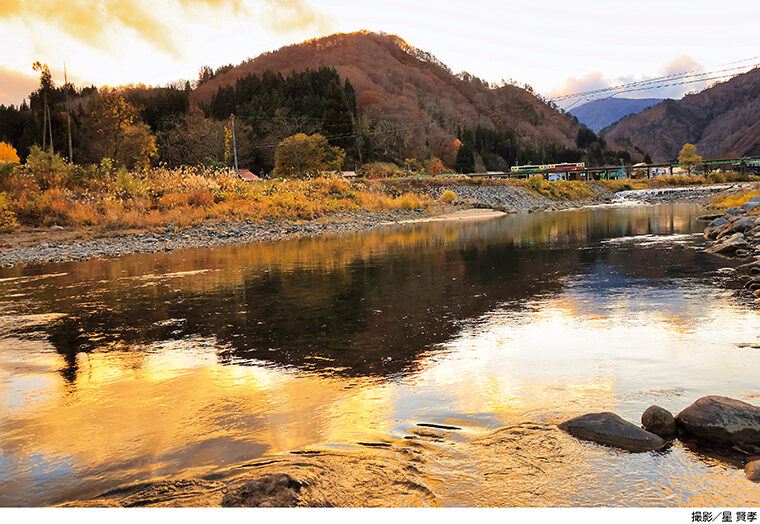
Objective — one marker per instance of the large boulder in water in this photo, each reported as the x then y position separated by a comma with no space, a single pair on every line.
718,222
608,428
728,246
274,491
743,224
659,421
716,227
723,420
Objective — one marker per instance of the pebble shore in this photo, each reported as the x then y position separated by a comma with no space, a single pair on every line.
207,235
507,199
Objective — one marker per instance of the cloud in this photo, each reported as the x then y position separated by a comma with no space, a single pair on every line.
682,64
589,82
288,16
669,82
93,22
15,86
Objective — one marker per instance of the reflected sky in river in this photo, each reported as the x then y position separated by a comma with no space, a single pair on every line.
185,364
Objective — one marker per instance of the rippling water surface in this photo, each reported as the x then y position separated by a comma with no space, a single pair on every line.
192,364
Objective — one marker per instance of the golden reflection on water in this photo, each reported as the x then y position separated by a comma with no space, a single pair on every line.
558,333
177,410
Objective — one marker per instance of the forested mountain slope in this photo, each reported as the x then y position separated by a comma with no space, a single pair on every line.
413,102
721,121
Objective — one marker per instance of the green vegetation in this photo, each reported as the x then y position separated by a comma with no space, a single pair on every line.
491,150
272,107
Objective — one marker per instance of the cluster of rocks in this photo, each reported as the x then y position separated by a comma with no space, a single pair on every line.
735,234
207,235
513,199
665,195
717,421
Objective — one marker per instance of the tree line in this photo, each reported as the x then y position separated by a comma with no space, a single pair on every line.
494,150
138,126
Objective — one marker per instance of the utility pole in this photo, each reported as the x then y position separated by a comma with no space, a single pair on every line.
68,109
47,123
234,145
50,129
44,119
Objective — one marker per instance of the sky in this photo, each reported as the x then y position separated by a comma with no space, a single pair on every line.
555,46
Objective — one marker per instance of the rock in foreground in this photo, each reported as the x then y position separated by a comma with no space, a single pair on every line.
274,491
729,245
608,428
752,470
659,421
723,420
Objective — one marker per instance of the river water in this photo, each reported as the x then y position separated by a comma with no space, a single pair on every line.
356,349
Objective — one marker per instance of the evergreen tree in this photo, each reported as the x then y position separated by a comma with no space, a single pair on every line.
465,162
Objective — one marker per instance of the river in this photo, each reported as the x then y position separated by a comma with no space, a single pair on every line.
488,333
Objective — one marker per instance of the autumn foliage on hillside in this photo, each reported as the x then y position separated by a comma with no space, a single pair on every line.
720,121
409,101
384,103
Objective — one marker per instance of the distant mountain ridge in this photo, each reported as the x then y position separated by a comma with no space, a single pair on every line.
722,121
599,114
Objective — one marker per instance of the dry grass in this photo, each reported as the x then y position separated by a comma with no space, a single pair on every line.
733,199
115,200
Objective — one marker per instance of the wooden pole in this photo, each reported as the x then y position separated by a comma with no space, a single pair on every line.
44,120
234,145
50,130
68,110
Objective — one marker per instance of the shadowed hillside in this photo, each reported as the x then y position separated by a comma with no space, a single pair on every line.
722,121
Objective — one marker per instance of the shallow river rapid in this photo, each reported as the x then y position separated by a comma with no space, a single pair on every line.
487,333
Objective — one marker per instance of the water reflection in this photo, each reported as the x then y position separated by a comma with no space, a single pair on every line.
181,364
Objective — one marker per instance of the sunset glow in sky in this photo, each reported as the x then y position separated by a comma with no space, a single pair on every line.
556,46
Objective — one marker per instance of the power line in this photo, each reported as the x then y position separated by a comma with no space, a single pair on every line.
663,81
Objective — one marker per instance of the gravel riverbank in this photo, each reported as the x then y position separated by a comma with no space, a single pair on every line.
59,245
207,235
512,199
692,194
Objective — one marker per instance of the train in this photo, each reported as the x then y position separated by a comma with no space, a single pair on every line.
548,167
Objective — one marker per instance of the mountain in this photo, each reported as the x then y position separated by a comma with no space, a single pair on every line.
408,95
599,114
722,121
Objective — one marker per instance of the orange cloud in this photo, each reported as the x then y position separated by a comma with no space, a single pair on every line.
92,21
15,86
286,16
